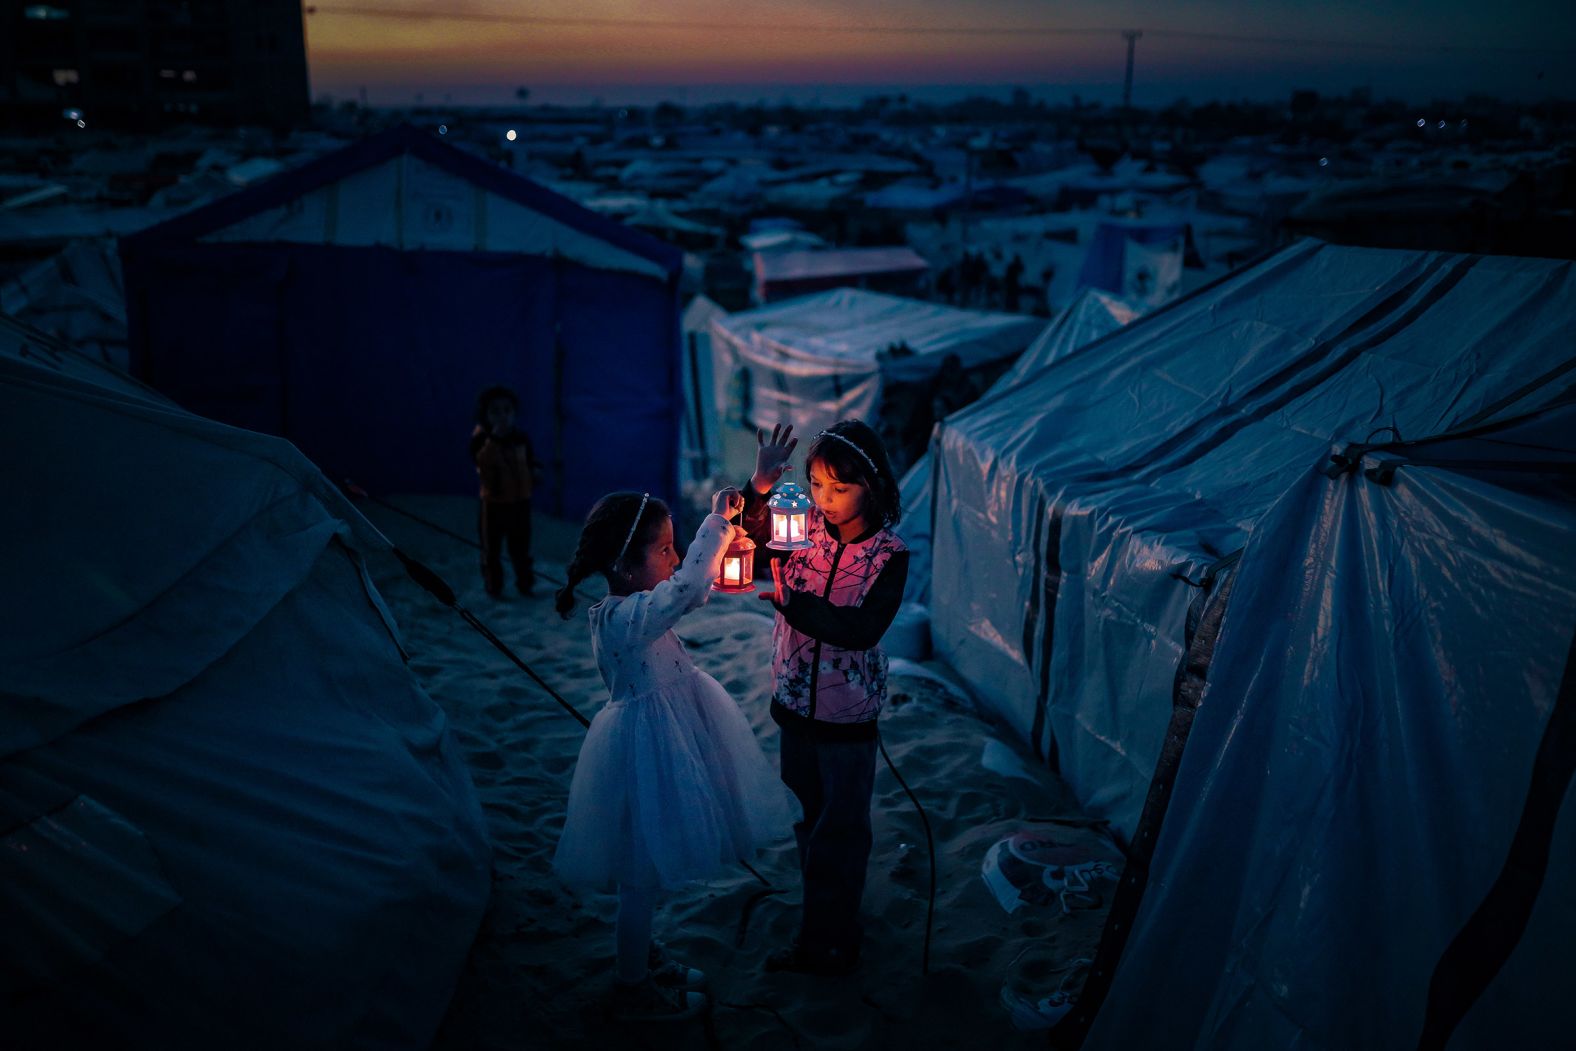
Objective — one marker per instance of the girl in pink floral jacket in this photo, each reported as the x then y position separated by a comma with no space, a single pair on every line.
829,676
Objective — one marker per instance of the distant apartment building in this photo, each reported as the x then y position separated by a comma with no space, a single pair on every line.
148,63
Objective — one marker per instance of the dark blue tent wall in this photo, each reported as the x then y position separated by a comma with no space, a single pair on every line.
369,358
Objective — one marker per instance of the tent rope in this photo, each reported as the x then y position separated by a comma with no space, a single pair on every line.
930,845
439,589
436,586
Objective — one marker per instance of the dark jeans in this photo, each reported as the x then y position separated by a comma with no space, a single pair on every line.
500,523
833,781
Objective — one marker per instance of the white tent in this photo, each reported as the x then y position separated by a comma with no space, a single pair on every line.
231,816
820,358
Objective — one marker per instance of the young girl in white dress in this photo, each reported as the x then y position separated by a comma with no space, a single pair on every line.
671,784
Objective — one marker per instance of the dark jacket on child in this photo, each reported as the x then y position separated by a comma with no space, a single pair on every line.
504,464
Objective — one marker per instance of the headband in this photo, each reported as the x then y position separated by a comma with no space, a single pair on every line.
632,527
874,474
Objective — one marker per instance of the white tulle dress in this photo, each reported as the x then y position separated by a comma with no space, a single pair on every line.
671,784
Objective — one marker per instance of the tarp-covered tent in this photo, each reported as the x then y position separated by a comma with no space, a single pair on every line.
1090,317
818,359
1371,838
1075,512
356,306
229,814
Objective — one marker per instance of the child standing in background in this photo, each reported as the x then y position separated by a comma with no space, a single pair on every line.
828,675
671,785
508,469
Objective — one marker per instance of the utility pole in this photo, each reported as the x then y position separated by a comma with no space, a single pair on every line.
1131,36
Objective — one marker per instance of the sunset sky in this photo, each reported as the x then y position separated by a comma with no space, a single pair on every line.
477,51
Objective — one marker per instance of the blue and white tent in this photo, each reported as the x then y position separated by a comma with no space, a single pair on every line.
1138,260
1076,512
1327,702
816,359
1368,837
229,814
357,305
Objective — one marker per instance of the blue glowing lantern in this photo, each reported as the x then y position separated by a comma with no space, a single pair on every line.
790,512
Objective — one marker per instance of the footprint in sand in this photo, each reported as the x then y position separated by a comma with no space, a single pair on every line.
486,758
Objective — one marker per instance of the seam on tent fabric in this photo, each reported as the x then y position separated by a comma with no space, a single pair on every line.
1186,695
1312,246
1352,454
369,592
1048,586
1486,941
196,567
1546,291
1389,317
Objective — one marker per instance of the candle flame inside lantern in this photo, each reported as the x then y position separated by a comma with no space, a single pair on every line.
790,517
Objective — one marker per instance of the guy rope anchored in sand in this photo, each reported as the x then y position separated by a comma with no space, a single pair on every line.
671,753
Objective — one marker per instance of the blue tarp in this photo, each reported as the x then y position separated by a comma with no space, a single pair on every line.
1073,510
1377,782
356,306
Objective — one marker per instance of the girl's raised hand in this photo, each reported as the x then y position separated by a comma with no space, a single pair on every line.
727,502
771,457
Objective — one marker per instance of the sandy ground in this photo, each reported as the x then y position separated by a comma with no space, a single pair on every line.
540,971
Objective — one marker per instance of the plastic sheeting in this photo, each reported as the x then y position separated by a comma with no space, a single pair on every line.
1091,316
818,359
231,815
1366,763
1072,509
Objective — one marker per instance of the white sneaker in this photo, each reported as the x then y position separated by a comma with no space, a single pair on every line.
671,973
646,1001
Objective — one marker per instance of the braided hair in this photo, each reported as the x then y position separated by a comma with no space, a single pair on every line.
832,448
607,524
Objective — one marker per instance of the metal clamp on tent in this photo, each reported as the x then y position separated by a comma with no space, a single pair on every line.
1345,461
1348,458
1383,471
1210,572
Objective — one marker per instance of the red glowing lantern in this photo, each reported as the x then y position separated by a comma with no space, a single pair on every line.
738,567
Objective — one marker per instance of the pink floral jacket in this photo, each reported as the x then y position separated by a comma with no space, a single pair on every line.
818,680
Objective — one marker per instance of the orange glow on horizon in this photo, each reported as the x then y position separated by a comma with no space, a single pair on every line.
345,47
1224,48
